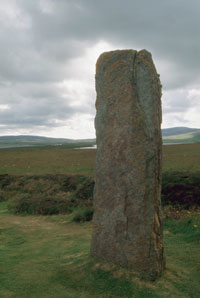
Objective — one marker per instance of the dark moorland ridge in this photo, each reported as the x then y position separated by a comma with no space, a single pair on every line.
39,139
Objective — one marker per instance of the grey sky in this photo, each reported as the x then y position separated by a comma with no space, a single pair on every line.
49,49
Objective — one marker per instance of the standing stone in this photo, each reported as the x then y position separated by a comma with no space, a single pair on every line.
127,225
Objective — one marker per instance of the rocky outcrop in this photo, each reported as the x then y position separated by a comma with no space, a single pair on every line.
127,225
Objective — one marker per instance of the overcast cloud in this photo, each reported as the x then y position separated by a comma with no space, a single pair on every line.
49,49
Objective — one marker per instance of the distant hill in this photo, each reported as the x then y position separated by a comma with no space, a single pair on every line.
30,141
177,131
181,135
169,135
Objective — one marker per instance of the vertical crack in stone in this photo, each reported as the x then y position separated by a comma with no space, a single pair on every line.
126,214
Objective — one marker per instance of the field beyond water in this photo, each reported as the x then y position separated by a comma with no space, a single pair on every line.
48,256
183,158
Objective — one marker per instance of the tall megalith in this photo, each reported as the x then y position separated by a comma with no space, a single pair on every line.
127,224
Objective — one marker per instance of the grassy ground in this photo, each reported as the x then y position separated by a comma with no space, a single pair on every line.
49,257
50,160
183,158
54,160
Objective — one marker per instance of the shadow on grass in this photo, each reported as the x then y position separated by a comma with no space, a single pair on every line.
98,282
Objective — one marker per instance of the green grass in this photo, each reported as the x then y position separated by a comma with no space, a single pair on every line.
49,257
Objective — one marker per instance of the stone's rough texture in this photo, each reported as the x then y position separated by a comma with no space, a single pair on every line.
127,217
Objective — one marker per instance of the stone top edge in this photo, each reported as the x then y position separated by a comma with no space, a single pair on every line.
124,51
107,54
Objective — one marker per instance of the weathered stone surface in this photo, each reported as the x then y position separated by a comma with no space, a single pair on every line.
127,225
